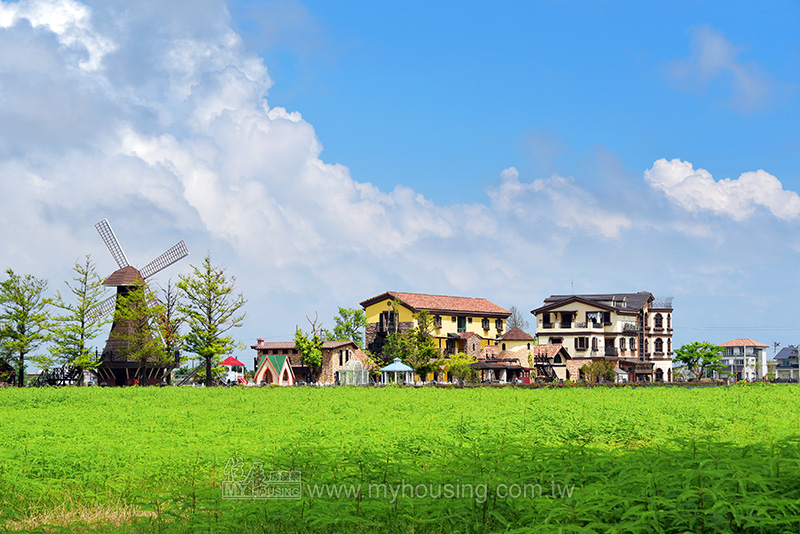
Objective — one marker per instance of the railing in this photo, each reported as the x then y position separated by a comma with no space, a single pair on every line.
611,351
567,324
548,325
630,327
581,325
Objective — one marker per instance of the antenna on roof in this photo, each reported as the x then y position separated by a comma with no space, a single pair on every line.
572,285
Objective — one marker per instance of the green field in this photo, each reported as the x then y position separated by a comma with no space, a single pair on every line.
420,460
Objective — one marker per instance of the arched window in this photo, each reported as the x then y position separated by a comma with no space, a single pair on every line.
633,343
529,346
557,358
669,345
659,321
504,346
669,320
646,345
659,345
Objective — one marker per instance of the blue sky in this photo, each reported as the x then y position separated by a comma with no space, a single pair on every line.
329,151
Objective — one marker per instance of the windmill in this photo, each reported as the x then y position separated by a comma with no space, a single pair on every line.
114,368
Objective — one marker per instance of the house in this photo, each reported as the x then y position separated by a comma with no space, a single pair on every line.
335,355
274,369
744,359
633,331
460,324
787,364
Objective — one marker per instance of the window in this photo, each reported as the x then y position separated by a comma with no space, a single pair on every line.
633,343
659,344
669,320
557,359
469,319
341,359
669,345
485,323
622,343
659,321
556,340
388,323
647,345
593,317
607,317
454,318
462,324
529,346
504,346
581,343
594,343
285,351
437,321
499,325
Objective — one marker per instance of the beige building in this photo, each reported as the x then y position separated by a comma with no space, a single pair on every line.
631,330
460,324
335,355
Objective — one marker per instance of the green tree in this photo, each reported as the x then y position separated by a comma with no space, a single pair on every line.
350,325
395,345
172,320
211,309
309,345
459,365
599,370
24,319
423,355
517,320
78,324
700,357
138,317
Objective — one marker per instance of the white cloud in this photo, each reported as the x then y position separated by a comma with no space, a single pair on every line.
715,58
555,201
696,190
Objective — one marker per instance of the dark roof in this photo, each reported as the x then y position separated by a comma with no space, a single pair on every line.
127,276
442,304
619,302
265,345
786,353
516,334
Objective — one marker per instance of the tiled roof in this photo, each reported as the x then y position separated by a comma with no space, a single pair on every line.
743,342
489,351
548,351
786,353
467,335
634,301
442,303
127,276
516,334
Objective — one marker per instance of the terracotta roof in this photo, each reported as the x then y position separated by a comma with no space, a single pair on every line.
743,342
516,334
127,276
442,303
548,351
489,351
467,335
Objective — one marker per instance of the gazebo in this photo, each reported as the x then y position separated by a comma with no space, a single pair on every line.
234,374
397,372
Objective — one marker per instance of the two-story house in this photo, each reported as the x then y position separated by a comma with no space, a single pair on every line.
631,330
744,359
786,367
460,324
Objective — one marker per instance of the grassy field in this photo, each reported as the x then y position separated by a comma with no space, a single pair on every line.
401,460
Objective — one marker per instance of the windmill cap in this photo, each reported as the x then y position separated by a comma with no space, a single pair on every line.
127,276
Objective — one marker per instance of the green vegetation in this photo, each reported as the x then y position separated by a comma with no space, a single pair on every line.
634,460
350,325
700,358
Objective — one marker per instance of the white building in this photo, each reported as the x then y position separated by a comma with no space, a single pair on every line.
745,359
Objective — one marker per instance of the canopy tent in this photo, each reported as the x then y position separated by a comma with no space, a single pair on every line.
230,361
397,372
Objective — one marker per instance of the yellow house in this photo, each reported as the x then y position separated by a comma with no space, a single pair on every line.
460,324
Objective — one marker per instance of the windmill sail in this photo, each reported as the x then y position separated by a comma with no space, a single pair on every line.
102,309
112,243
174,254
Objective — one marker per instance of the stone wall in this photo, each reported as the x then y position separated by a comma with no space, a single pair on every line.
372,335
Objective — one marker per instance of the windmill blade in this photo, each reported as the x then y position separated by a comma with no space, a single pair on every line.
105,307
112,243
174,254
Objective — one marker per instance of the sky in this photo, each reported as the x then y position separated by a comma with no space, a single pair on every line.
327,152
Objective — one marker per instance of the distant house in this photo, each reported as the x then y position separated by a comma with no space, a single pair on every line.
632,331
744,359
787,363
460,324
335,355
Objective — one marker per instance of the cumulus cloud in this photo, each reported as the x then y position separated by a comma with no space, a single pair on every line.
715,58
695,190
558,201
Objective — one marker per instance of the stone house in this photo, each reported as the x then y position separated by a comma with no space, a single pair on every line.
335,355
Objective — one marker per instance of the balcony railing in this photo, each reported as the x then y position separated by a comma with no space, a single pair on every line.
566,324
548,325
630,327
611,351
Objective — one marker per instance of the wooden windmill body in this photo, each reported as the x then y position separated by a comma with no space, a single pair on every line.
115,369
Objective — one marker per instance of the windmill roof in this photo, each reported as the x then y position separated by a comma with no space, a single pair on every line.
442,303
127,276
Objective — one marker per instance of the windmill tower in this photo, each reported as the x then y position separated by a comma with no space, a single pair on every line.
114,368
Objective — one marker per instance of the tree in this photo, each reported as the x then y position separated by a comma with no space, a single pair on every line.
139,316
310,346
350,325
517,320
172,320
423,355
598,370
77,325
701,357
24,319
459,365
211,309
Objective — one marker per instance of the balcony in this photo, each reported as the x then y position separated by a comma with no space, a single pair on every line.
630,328
548,325
566,324
611,351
